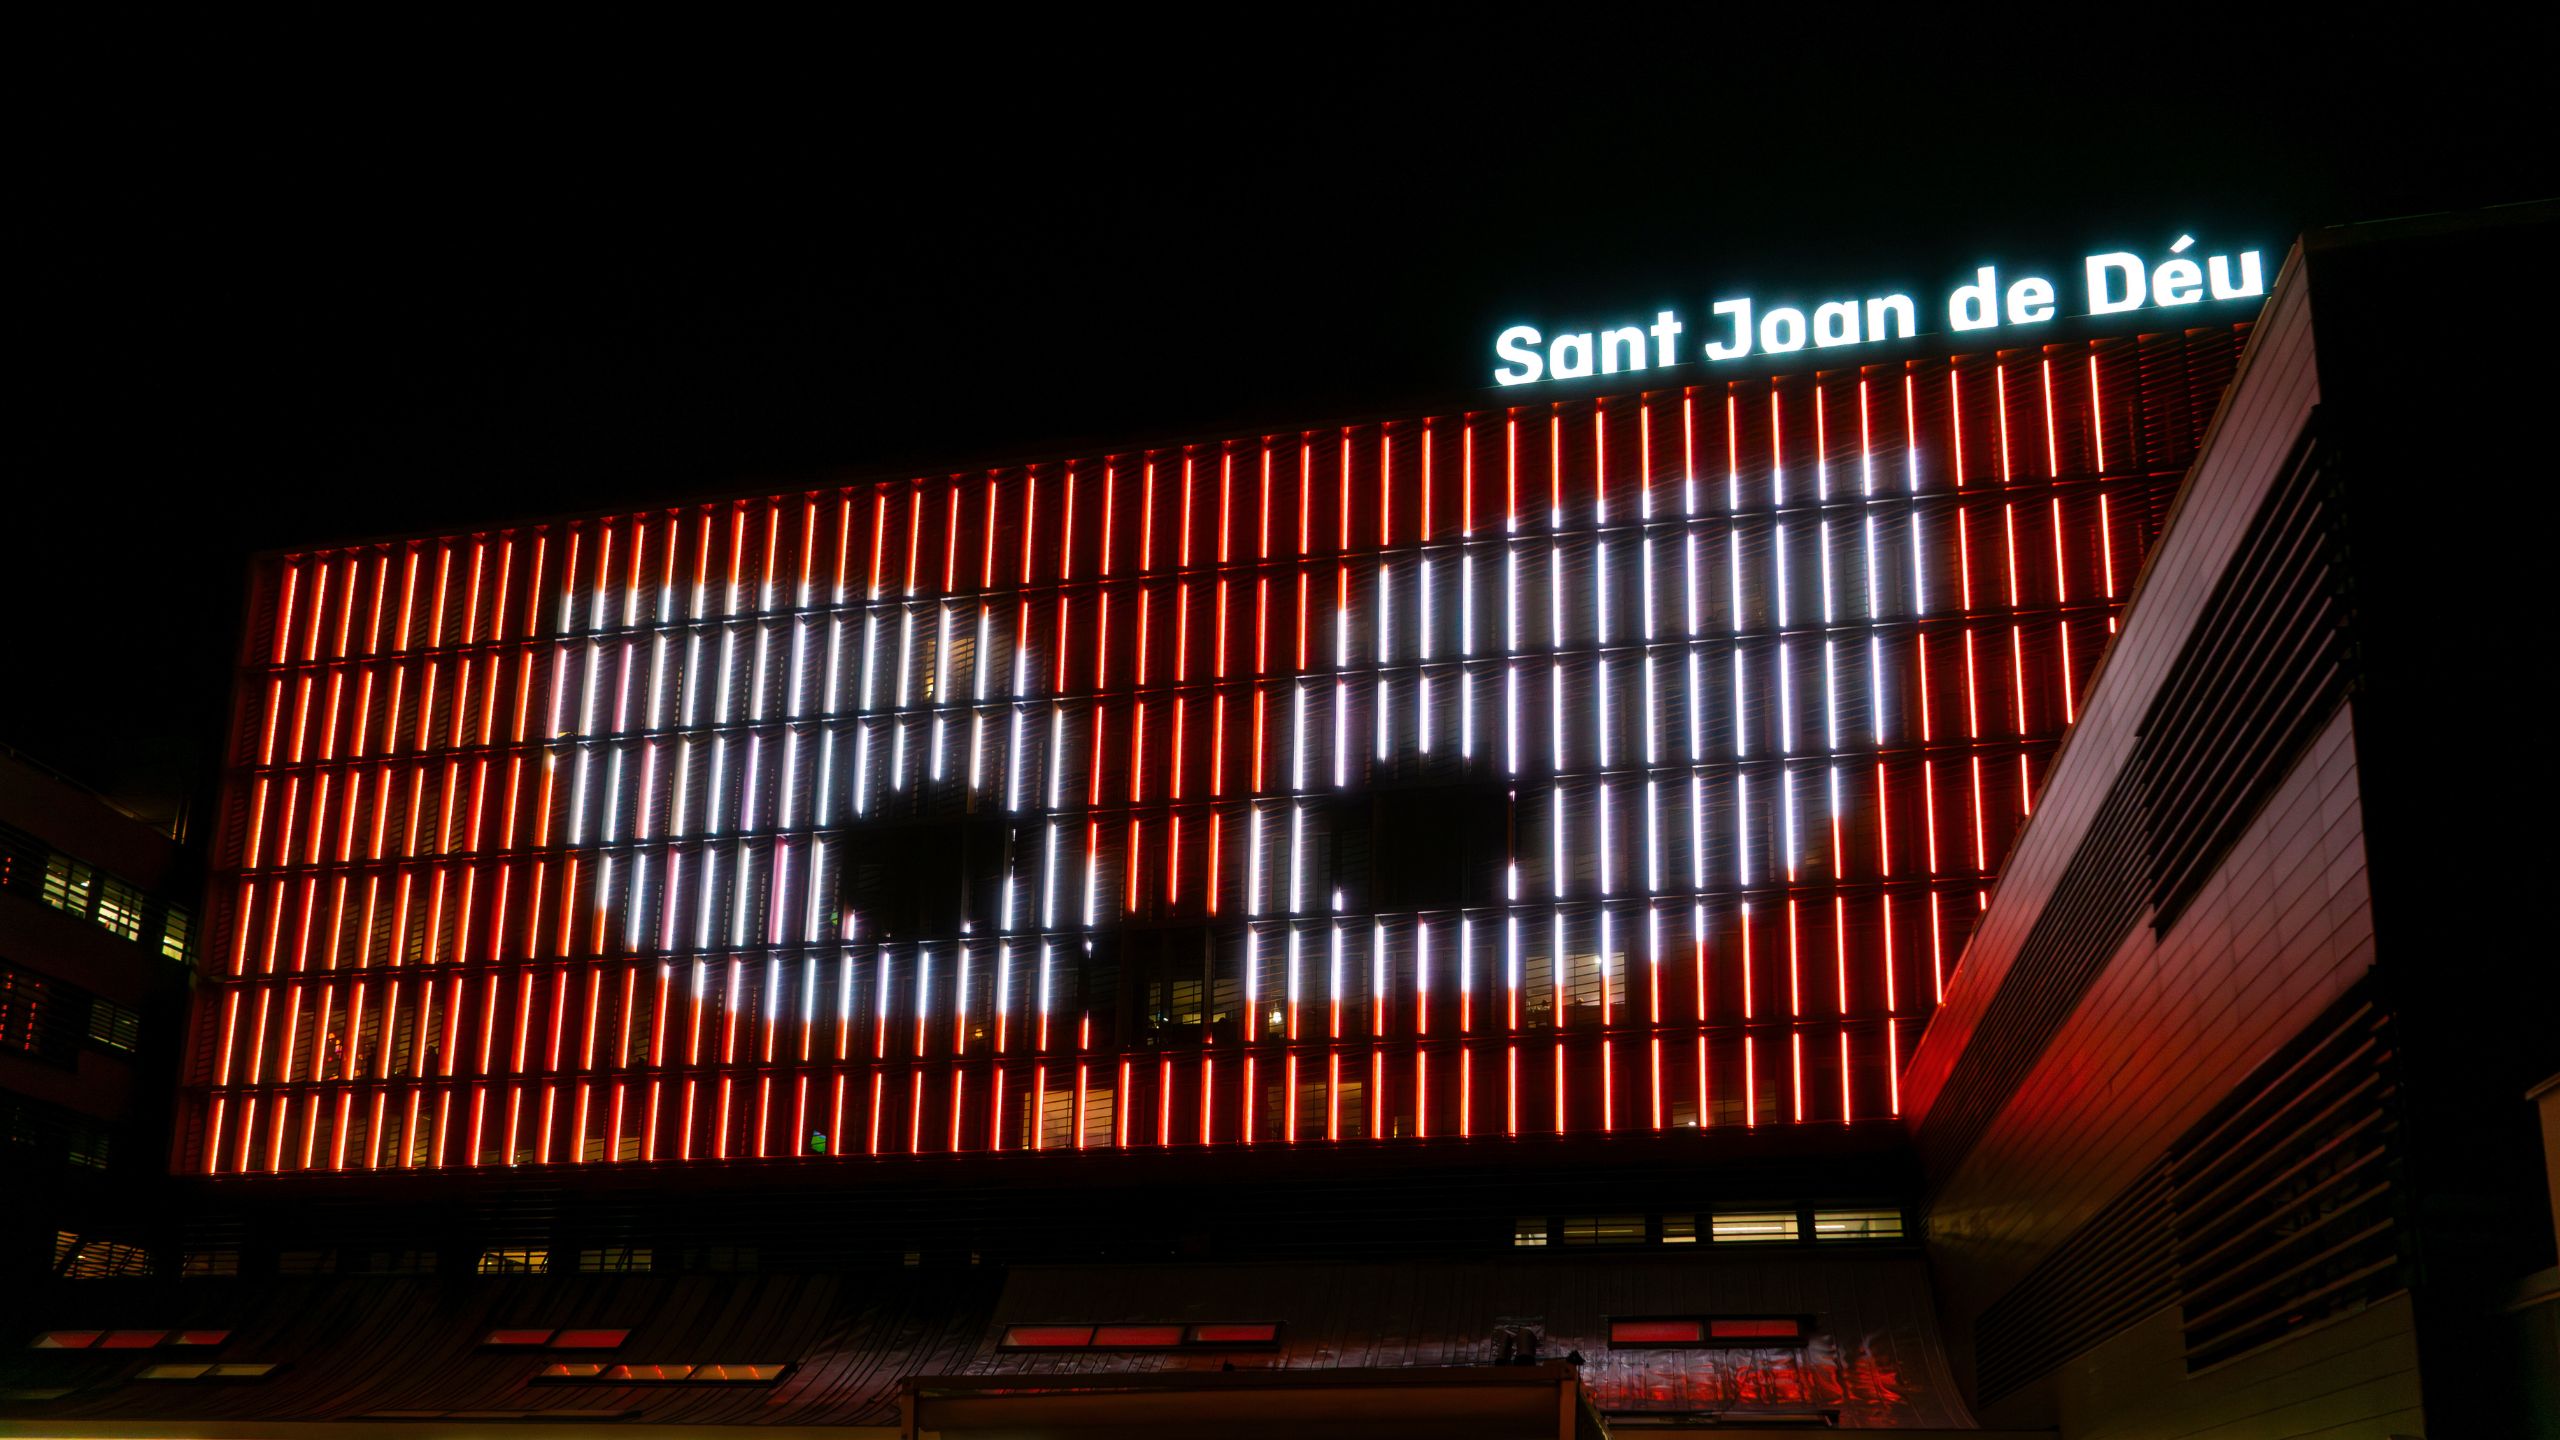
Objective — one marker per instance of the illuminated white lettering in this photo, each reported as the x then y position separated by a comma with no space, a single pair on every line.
1523,366
1627,341
1569,358
1782,329
1666,328
1897,306
1740,345
1971,307
2177,282
2030,301
1835,323
2115,283
2252,282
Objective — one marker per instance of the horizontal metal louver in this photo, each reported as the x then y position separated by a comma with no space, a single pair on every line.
2264,666
2283,1201
2114,1270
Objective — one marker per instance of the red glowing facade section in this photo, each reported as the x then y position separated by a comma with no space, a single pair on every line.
1621,765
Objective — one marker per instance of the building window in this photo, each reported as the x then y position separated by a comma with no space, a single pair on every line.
114,1026
1857,1224
201,1370
29,866
721,1257
118,908
1679,1229
66,884
1602,1230
395,1262
204,1264
598,1373
54,1135
76,1258
1748,1227
78,889
1528,1231
614,1260
515,1262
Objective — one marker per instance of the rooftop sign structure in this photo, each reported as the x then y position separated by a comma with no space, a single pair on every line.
2110,284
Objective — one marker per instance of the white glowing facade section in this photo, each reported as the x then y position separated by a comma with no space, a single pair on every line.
1590,766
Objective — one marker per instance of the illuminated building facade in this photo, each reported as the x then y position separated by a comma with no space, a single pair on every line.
1624,765
623,920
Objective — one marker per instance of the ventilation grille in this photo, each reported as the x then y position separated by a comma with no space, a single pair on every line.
2114,1270
2265,666
2283,1203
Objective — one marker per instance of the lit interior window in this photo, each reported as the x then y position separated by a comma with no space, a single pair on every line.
1529,1231
1857,1224
1754,1227
1603,1230
615,1260
1679,1229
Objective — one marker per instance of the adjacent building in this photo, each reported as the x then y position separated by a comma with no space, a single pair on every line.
96,939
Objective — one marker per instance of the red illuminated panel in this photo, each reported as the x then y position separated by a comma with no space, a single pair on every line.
645,1374
1756,1329
1655,1332
1672,1331
1047,1337
1230,1334
571,1370
131,1339
1807,638
517,1337
1136,1337
199,1338
66,1340
589,1339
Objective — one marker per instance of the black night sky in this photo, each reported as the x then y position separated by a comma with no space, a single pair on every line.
327,274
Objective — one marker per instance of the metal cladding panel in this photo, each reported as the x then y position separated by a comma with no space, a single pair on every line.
1872,1353
368,1347
1621,764
351,1347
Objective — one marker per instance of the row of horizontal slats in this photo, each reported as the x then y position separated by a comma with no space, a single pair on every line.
2264,667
